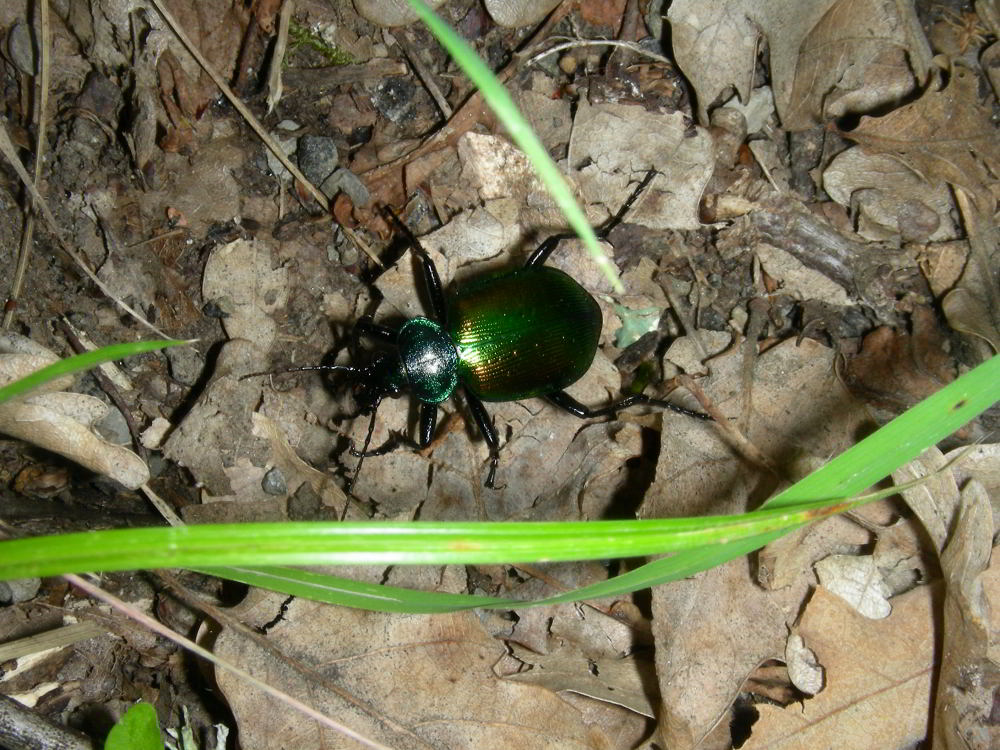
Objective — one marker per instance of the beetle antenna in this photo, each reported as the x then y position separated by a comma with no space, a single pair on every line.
364,450
326,368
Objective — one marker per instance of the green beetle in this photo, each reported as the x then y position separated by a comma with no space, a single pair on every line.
523,334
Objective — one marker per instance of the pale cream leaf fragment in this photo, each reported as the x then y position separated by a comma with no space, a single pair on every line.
857,581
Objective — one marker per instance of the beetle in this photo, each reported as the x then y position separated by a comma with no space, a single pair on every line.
526,333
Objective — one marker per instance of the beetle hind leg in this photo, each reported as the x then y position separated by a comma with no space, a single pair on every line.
543,251
489,433
564,401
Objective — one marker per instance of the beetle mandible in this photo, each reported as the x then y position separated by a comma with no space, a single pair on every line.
526,333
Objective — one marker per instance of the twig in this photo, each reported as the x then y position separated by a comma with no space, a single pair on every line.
631,46
240,107
8,150
159,628
405,43
41,111
331,76
274,86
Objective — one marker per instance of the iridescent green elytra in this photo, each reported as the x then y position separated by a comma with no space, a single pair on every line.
523,334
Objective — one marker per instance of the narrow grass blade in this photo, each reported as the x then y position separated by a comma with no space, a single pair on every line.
80,362
701,542
520,131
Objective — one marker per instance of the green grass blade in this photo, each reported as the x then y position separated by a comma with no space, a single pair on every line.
80,362
378,543
520,131
347,592
702,542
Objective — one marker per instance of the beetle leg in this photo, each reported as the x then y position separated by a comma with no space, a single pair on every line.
431,277
367,327
564,401
395,441
488,431
544,250
428,420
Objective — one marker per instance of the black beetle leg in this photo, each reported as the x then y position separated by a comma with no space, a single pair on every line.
395,441
428,421
488,431
367,327
362,453
431,277
543,251
564,401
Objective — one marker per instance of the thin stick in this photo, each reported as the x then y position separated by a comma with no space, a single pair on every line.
8,150
631,46
157,627
252,121
41,111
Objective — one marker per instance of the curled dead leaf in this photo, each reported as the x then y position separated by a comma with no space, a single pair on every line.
60,421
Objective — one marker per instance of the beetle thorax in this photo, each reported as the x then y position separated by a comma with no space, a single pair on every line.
429,359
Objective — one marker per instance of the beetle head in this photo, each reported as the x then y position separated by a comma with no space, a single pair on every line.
383,376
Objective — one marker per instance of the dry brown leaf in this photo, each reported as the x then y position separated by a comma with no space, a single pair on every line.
409,681
711,631
618,141
895,370
935,500
878,678
944,136
889,199
827,58
856,580
854,59
622,681
58,420
968,678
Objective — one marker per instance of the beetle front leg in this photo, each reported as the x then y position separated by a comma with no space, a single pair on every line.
369,328
428,420
489,433
564,401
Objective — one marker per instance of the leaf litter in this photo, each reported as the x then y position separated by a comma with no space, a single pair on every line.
857,250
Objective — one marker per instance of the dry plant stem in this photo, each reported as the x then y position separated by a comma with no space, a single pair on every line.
168,513
817,245
223,617
160,629
274,87
631,46
413,55
23,728
252,121
735,438
8,150
66,635
322,79
41,112
755,327
361,245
